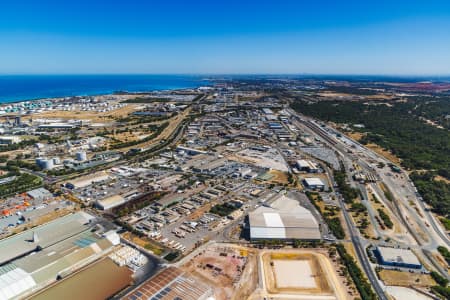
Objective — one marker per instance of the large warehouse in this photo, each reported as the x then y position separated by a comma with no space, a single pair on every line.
35,258
397,257
283,219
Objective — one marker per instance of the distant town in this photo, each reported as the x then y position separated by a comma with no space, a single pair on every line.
247,188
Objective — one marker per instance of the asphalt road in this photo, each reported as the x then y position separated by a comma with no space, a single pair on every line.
359,248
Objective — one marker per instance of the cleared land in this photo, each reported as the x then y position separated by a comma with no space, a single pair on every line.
280,277
231,270
299,274
398,278
93,116
293,274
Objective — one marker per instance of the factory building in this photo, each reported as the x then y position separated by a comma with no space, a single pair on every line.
87,180
314,183
9,140
284,219
396,257
56,126
110,202
190,151
40,194
306,165
36,258
274,125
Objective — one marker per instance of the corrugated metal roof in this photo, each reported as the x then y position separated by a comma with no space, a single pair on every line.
267,233
273,220
14,283
284,219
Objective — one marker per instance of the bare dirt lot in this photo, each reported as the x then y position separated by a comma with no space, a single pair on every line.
88,115
399,278
299,273
303,275
230,270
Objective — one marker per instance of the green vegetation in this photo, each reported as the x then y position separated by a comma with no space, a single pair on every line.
21,145
137,203
23,164
445,222
401,127
358,207
363,286
397,126
435,193
154,248
345,189
386,219
439,279
222,209
445,253
172,256
155,134
388,194
334,223
22,183
442,291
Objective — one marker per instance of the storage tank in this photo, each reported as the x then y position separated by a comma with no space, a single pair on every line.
81,155
46,164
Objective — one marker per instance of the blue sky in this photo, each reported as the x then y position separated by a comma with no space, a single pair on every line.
320,37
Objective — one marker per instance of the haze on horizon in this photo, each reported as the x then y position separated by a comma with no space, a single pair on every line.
327,37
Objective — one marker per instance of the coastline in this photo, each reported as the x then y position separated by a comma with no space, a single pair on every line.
16,89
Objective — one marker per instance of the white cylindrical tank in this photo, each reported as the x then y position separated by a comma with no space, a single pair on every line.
81,155
47,164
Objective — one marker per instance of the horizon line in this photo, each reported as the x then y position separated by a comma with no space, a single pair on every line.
225,74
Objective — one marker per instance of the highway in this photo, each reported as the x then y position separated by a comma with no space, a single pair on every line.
427,237
354,233
361,252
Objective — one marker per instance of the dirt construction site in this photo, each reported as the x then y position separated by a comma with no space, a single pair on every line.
237,272
297,274
231,270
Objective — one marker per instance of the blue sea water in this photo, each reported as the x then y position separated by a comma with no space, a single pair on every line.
27,87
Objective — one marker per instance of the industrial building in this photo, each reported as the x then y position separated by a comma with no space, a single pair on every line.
284,219
110,202
87,180
314,183
306,165
190,151
9,140
45,163
40,194
35,258
397,257
170,284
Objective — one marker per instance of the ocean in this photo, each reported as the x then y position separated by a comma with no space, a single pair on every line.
15,88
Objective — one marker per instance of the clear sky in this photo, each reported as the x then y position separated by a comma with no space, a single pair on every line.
225,36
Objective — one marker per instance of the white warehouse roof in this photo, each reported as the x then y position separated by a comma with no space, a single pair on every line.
314,181
284,219
14,281
397,255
